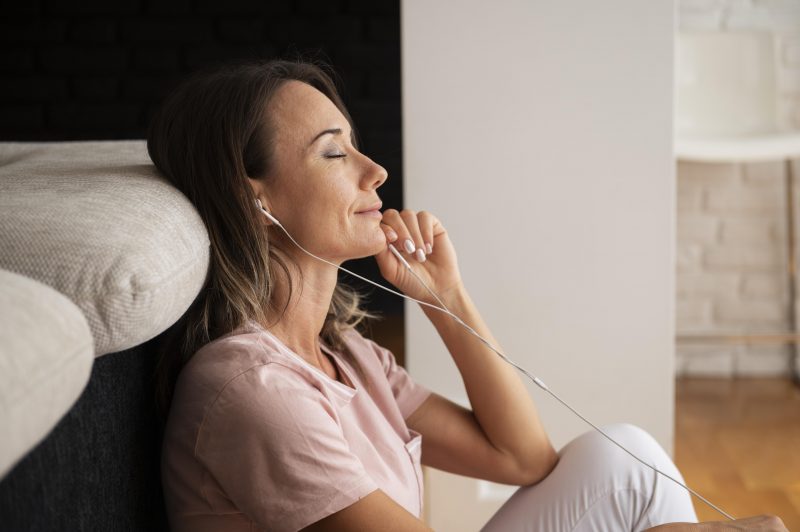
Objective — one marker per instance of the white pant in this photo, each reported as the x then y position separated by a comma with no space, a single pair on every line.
596,486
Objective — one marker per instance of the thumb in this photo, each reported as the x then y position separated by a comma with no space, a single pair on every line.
385,258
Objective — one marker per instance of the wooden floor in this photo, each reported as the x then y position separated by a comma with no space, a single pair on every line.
737,443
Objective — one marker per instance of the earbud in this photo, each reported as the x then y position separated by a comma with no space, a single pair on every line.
272,218
400,257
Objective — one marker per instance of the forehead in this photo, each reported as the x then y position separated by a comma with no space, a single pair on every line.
299,111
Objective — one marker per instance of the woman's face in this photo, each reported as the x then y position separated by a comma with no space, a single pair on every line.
320,182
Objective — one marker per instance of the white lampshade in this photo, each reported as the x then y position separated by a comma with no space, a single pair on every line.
725,102
726,83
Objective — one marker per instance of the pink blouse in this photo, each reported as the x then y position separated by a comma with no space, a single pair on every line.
259,439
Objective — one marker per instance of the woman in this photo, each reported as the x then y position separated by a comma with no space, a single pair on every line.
283,416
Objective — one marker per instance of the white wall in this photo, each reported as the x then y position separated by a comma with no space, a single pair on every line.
540,133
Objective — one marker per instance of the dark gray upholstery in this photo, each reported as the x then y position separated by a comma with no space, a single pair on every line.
98,470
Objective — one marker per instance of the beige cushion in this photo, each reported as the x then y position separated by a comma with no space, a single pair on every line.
46,356
95,221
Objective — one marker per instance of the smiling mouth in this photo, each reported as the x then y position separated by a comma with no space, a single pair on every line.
375,212
375,207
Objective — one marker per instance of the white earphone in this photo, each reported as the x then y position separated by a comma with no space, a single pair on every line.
535,379
272,218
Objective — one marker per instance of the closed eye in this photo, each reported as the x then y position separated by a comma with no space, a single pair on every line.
335,155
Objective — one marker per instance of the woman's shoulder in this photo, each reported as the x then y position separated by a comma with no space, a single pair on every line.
244,350
251,349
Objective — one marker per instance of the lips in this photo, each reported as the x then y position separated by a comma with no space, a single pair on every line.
374,207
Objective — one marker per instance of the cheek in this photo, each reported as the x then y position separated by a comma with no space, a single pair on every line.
328,200
340,201
327,210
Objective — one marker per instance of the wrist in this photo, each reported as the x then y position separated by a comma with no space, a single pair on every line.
456,299
452,294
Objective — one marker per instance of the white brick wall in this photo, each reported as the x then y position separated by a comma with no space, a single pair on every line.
731,221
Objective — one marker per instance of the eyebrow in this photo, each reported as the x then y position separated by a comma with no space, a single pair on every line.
334,131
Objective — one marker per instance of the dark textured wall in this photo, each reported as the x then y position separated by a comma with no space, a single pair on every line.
97,69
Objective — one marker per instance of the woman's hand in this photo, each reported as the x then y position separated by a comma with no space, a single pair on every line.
758,523
439,268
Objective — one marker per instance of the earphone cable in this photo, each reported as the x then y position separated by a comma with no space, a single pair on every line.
542,385
533,378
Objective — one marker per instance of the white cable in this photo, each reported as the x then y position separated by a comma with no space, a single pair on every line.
536,380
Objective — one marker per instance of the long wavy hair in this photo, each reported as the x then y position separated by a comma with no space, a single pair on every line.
208,136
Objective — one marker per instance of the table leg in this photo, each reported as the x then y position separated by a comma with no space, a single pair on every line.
792,266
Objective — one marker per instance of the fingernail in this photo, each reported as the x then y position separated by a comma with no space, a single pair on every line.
409,245
392,236
420,255
429,248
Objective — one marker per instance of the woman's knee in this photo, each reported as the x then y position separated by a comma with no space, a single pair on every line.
669,501
599,486
627,435
631,434
595,453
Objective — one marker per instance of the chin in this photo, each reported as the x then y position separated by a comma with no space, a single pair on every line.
373,250
365,249
376,247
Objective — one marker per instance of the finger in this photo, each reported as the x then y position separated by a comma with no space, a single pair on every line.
392,218
410,218
426,221
391,234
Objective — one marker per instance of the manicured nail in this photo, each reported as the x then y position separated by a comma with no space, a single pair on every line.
420,255
409,245
392,236
429,248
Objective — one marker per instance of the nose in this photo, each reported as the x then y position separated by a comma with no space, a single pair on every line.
374,175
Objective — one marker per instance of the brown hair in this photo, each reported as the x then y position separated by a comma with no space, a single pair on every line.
207,137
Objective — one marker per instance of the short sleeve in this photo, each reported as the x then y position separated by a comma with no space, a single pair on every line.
272,442
408,393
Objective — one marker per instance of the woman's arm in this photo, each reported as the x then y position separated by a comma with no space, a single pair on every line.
499,399
376,511
501,406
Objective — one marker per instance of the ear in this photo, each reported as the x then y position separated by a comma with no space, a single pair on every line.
259,193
